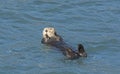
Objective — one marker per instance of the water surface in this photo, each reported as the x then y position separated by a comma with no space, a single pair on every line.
94,23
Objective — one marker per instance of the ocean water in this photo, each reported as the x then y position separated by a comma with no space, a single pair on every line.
93,23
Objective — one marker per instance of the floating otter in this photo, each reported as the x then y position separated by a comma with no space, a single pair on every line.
50,37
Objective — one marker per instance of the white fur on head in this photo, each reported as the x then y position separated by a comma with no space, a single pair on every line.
48,31
49,35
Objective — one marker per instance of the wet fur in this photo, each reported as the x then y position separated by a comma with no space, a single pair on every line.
50,37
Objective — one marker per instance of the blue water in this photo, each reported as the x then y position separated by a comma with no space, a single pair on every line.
94,23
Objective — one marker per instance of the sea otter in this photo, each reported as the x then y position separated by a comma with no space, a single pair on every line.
50,37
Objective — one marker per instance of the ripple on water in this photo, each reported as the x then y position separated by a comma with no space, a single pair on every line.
95,24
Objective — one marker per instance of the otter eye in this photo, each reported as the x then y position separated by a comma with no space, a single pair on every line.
46,30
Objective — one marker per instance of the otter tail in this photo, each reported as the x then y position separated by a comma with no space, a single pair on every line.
81,51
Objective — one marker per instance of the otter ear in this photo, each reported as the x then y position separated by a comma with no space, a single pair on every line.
81,51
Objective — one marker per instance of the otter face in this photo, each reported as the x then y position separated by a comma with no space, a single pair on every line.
50,35
50,32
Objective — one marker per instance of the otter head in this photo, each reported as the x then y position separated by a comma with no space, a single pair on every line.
81,51
50,35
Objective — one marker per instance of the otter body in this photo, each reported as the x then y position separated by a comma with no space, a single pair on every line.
50,37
